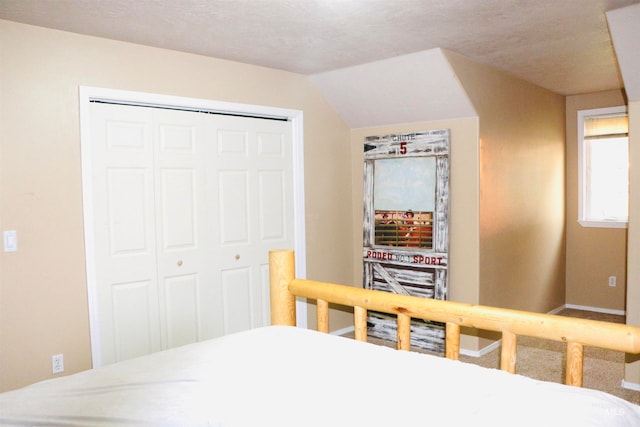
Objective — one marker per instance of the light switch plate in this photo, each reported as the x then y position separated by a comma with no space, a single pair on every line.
10,241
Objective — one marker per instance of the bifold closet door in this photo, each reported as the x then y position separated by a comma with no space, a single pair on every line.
254,196
186,206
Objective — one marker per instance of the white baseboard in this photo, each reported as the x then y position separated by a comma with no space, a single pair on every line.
482,351
496,344
557,310
343,331
630,385
595,309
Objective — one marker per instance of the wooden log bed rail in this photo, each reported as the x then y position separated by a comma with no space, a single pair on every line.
576,333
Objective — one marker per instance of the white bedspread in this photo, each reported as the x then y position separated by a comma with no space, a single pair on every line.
285,376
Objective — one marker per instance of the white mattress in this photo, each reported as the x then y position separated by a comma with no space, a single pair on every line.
285,376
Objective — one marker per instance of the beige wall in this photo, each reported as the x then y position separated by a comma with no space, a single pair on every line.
593,254
522,240
632,370
507,245
43,301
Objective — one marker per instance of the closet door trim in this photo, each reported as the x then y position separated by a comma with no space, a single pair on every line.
94,94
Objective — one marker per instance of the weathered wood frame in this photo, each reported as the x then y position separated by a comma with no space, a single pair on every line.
577,333
381,260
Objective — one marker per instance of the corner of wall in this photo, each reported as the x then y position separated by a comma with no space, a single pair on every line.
521,184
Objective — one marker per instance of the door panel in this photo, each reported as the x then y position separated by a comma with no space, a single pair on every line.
237,294
254,165
232,143
179,192
234,224
186,208
184,238
126,196
133,317
124,231
271,193
182,310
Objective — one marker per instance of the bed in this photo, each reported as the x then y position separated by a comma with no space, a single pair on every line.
282,375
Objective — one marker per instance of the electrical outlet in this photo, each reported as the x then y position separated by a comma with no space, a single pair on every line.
57,363
612,281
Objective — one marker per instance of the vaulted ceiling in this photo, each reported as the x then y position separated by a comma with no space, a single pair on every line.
562,45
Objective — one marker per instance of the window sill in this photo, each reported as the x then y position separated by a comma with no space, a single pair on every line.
603,224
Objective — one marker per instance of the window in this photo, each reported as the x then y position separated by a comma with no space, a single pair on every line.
603,163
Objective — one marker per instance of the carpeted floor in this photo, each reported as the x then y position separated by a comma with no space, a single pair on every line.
545,359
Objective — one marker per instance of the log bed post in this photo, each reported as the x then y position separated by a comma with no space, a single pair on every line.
508,353
404,332
452,341
360,323
323,315
281,273
575,362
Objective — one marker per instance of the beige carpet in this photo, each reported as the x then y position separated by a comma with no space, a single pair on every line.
545,360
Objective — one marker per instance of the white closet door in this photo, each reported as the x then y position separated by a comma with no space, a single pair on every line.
183,228
255,213
186,208
125,233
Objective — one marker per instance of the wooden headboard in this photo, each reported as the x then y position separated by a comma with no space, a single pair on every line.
577,333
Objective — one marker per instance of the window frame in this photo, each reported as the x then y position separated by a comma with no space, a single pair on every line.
582,196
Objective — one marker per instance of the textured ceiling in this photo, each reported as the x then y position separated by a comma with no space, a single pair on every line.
562,45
